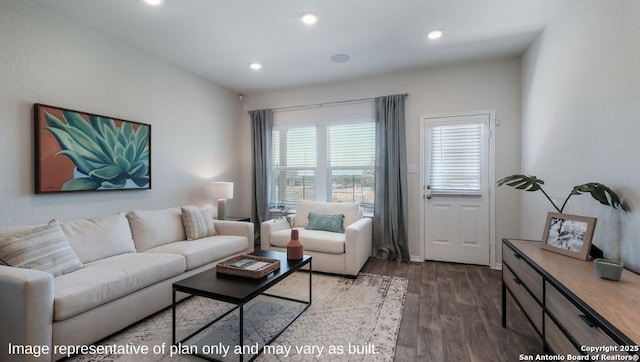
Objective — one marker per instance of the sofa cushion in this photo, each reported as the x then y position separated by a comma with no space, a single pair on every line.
332,223
151,228
350,210
99,237
313,240
206,250
105,280
43,248
197,223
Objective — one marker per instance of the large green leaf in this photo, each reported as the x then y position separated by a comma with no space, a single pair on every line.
138,169
117,183
76,121
106,148
144,156
80,184
53,121
142,139
106,173
127,131
94,121
111,141
122,138
118,150
110,124
522,182
122,163
83,164
601,193
141,182
130,152
67,142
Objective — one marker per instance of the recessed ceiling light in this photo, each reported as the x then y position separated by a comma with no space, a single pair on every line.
434,34
255,66
309,18
154,2
340,58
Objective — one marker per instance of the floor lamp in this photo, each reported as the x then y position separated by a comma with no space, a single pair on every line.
222,191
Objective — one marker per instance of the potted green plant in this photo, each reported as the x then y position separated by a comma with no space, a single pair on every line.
598,191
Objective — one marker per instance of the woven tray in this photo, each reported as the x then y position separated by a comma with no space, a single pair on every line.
227,267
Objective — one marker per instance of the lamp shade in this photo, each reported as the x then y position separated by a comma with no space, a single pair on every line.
222,190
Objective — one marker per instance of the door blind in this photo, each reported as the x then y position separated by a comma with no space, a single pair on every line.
456,151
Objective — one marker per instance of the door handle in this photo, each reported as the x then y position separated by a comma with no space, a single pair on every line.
428,192
587,320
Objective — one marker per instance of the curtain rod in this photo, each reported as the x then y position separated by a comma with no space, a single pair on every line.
325,103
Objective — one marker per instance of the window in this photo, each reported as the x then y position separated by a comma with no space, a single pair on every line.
325,155
352,163
294,165
455,164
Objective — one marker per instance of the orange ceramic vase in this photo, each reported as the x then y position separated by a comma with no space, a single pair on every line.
295,249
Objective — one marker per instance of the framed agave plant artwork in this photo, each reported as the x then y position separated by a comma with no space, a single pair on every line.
79,151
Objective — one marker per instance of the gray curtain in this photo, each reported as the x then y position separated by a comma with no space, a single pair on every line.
390,206
261,128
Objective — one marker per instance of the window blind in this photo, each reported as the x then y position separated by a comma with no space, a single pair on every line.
352,145
456,152
294,147
294,158
352,163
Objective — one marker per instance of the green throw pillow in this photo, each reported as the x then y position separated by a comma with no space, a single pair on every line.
333,223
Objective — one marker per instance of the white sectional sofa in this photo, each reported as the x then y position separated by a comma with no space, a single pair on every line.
333,252
129,262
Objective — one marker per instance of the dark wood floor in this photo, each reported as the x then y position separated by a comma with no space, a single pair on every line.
453,312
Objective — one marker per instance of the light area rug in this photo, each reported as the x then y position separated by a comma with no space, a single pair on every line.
348,320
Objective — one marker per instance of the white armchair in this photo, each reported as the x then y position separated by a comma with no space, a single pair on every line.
332,252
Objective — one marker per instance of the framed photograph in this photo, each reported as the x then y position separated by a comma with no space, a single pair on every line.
79,151
569,235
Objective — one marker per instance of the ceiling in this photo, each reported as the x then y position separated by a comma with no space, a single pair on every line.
217,39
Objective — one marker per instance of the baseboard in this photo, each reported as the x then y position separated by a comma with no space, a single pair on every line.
416,258
498,266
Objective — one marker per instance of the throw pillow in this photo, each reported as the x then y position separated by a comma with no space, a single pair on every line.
333,223
99,237
151,228
197,223
44,248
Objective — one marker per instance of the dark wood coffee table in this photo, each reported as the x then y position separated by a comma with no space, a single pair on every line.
239,291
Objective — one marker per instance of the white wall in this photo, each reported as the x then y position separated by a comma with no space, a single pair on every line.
47,59
581,119
469,87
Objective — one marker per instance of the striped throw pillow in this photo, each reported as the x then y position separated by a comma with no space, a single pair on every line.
44,248
197,223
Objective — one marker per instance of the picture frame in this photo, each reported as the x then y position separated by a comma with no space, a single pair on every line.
79,151
568,234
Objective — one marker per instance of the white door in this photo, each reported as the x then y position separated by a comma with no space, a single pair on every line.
456,190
